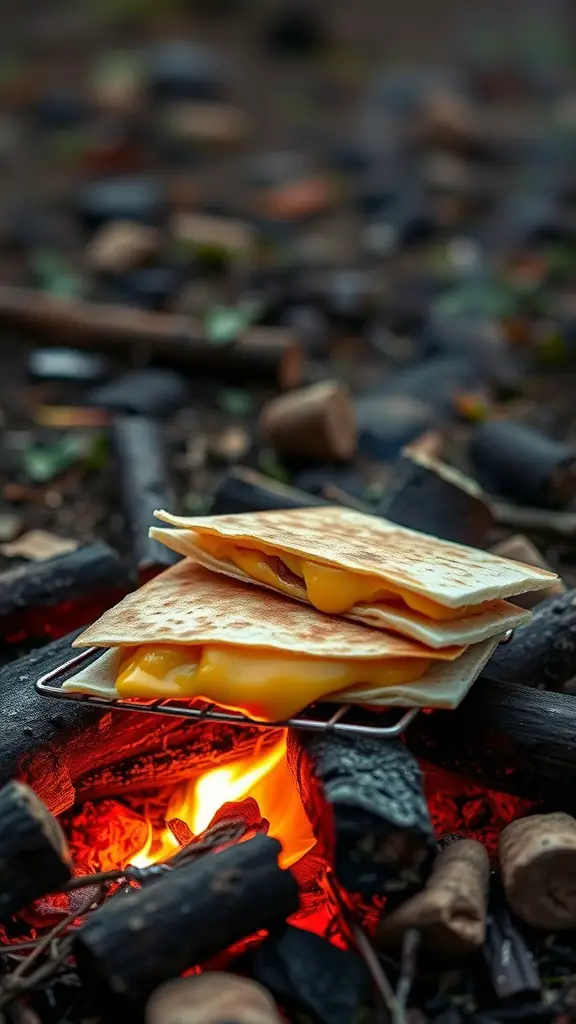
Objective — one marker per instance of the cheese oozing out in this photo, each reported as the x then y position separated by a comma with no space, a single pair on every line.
266,685
330,590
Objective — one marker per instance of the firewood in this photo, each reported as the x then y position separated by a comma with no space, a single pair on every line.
543,652
507,737
144,486
244,490
538,861
315,423
34,855
91,573
365,800
212,998
425,494
450,912
135,942
271,353
523,464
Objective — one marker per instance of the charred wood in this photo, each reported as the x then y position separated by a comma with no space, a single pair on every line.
135,942
365,801
34,855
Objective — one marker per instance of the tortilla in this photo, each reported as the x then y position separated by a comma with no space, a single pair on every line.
188,606
444,685
450,575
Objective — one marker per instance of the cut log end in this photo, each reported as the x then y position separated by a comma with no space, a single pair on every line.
214,998
315,423
538,859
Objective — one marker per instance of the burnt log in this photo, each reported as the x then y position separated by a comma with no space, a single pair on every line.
507,737
543,652
135,942
93,577
310,976
509,960
272,354
34,855
524,464
140,450
213,998
244,490
366,804
427,495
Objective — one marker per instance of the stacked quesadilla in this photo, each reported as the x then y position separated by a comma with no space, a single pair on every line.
270,612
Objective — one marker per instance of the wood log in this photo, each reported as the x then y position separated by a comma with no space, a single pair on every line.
538,863
214,998
365,801
313,424
244,490
541,522
425,494
93,577
543,652
134,943
34,855
523,464
309,976
272,354
140,449
507,737
450,912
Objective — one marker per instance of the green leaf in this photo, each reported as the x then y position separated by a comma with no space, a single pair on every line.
43,463
270,465
235,401
224,324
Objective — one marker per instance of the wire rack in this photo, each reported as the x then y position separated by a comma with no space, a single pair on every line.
346,719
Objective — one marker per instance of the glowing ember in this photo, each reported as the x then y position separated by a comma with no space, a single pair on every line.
265,778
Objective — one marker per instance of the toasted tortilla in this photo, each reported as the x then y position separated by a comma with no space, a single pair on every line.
444,685
452,574
189,605
472,629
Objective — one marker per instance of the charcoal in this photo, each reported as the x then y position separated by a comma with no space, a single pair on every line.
180,70
511,965
158,393
425,494
140,449
244,490
131,945
365,801
435,381
543,652
309,975
388,422
66,364
141,199
264,170
85,572
523,464
34,855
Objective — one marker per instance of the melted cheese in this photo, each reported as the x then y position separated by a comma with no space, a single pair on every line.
330,590
262,684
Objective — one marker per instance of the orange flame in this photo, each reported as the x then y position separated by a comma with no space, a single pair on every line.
266,778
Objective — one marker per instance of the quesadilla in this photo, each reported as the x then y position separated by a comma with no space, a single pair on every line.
190,634
364,568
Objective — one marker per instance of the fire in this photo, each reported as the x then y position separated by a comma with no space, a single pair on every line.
265,778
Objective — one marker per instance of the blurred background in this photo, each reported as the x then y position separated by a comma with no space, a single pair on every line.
206,204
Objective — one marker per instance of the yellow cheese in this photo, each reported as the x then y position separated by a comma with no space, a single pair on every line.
262,684
330,590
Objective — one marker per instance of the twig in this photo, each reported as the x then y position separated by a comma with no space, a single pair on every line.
410,946
366,950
